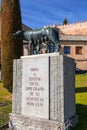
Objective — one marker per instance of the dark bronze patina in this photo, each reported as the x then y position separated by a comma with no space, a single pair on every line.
48,35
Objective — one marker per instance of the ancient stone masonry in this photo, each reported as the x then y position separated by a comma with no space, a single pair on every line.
78,28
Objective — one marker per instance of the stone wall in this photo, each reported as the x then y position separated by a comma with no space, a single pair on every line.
80,59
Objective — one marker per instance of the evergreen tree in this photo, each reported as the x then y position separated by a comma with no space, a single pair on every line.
11,48
65,22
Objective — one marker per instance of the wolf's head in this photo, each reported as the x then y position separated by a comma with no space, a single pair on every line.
18,34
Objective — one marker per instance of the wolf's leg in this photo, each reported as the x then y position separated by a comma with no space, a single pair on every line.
29,49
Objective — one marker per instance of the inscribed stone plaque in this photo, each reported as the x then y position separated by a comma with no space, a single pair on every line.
35,87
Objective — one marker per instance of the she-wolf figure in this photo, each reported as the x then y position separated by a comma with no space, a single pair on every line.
36,37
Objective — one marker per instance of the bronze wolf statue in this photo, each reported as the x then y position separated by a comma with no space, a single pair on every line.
36,37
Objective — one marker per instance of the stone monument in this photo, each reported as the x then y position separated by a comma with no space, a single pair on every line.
43,93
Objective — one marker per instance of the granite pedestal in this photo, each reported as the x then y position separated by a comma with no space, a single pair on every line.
43,93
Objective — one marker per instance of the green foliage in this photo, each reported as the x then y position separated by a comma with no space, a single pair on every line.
81,101
65,22
81,80
11,48
3,91
5,104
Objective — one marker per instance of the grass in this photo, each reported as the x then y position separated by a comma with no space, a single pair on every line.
5,104
81,101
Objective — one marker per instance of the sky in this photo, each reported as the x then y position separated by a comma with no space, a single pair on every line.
39,13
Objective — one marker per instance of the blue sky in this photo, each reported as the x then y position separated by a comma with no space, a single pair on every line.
37,13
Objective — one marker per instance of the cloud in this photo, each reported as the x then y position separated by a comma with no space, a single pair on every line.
42,12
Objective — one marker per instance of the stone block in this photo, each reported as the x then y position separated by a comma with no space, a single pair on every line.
44,93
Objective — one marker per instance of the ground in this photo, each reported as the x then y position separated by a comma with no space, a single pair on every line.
5,104
81,101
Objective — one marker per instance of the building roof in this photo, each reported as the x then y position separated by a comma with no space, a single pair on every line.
72,38
25,27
